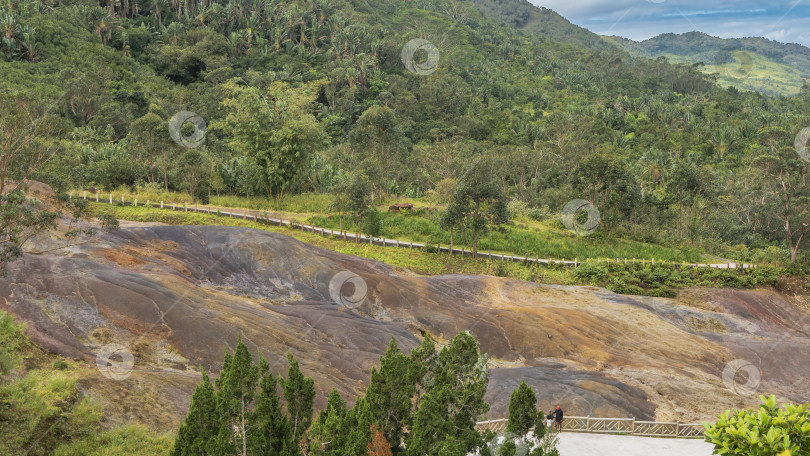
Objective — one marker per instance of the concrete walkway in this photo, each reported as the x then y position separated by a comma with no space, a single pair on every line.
575,444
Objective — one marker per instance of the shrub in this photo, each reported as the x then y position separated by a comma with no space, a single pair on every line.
12,338
501,269
770,430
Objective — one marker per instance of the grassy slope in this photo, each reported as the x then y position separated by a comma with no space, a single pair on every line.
522,237
42,410
751,71
782,74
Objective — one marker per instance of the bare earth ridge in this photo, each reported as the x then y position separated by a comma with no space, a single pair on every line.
176,296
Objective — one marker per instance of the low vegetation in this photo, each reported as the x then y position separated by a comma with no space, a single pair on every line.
766,431
42,411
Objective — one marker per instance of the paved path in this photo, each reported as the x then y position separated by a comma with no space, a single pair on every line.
575,444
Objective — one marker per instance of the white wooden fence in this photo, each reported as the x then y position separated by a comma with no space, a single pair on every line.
624,426
356,237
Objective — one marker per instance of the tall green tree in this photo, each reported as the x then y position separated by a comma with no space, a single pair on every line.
479,203
201,426
237,389
453,401
270,428
379,134
299,392
390,392
787,190
522,410
275,127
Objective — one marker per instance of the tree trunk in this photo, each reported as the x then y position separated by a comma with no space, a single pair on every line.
165,176
244,431
451,240
475,230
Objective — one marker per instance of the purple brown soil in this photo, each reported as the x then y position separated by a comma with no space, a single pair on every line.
178,296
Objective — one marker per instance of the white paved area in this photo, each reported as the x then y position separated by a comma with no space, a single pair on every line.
575,444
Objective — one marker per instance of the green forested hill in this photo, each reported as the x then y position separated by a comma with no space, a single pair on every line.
747,63
313,96
541,21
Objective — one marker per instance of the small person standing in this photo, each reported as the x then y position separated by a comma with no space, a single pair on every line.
558,418
549,419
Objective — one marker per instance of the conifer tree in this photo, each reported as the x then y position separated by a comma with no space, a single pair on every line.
327,435
234,398
299,392
201,424
389,394
454,399
522,410
357,429
270,429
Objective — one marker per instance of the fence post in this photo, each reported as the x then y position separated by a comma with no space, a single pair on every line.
97,193
633,429
588,423
411,245
161,204
147,202
122,200
174,206
85,195
576,261
135,204
185,207
653,261
110,198
677,428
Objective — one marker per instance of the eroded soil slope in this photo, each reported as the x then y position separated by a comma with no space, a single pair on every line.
176,296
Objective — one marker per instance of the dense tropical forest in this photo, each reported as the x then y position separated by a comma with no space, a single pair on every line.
312,97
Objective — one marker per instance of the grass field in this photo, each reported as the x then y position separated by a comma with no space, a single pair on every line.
751,71
521,237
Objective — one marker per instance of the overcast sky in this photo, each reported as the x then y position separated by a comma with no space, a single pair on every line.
786,21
